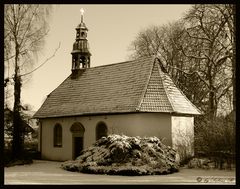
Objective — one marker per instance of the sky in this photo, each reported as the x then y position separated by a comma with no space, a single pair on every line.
112,28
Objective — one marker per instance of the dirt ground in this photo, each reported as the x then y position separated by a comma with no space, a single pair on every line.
49,172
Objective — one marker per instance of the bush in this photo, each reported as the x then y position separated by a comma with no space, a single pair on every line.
122,155
204,163
29,153
31,144
215,140
9,160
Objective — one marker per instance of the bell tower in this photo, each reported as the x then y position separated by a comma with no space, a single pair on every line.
80,52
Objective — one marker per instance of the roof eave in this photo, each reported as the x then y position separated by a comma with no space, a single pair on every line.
102,113
114,113
85,114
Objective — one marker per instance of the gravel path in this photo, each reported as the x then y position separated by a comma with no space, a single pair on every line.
49,172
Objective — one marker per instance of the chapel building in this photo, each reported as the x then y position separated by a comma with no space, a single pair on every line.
134,98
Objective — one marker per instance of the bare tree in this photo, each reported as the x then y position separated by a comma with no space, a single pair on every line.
210,48
25,27
228,11
196,51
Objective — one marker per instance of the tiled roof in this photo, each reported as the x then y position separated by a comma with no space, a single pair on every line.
133,86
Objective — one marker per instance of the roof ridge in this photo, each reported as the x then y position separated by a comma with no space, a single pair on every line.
147,83
112,64
164,87
170,99
188,99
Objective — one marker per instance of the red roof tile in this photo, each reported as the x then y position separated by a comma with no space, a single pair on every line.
131,86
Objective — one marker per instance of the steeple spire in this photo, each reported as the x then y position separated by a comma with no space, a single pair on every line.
82,12
80,52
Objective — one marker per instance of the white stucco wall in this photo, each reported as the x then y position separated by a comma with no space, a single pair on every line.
139,124
183,135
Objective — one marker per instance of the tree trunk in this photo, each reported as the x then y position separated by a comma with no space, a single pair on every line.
234,64
17,143
211,107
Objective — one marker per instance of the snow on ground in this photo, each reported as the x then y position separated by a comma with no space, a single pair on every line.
49,172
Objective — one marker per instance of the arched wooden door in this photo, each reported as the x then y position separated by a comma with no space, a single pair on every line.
77,130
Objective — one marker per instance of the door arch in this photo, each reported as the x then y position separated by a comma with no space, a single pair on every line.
101,130
77,130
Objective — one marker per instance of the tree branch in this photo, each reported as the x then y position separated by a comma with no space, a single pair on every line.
197,37
225,91
22,15
23,51
195,72
201,24
44,61
222,60
29,24
191,56
36,40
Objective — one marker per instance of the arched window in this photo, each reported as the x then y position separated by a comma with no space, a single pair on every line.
101,130
57,135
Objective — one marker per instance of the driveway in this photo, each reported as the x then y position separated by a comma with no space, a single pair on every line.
49,172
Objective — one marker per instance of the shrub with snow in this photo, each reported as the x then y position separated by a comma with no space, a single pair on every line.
123,155
204,163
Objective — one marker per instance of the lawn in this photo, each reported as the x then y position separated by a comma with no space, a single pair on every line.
49,172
